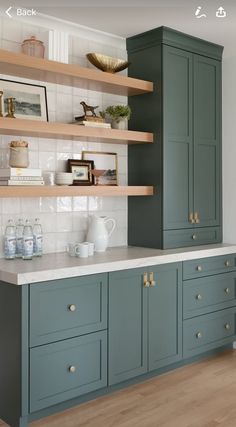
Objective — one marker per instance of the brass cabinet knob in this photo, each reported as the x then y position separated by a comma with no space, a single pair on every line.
227,263
199,297
194,237
146,283
190,218
227,291
72,307
199,268
151,280
72,369
198,335
227,326
196,218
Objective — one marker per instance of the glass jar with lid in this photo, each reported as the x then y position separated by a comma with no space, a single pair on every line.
33,47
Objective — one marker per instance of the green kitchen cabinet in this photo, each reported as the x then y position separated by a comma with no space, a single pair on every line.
145,309
184,163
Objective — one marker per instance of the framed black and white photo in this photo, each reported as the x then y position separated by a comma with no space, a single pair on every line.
81,170
105,166
30,100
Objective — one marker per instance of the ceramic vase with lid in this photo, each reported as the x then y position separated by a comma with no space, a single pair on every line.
33,47
98,232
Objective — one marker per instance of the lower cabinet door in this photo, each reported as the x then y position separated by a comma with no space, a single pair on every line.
165,315
67,369
127,325
209,331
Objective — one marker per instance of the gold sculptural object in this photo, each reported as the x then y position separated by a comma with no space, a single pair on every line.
10,107
1,99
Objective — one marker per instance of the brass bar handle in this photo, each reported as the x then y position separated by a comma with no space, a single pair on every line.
190,218
196,218
151,279
146,283
227,291
227,263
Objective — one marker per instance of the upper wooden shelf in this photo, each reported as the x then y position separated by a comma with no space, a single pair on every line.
72,191
55,130
20,65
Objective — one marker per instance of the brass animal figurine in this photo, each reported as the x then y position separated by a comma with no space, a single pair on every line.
89,108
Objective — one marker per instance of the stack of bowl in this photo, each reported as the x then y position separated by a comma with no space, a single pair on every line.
64,178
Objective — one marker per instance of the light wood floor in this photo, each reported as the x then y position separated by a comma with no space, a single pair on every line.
199,395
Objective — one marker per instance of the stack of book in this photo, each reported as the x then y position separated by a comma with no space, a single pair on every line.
21,176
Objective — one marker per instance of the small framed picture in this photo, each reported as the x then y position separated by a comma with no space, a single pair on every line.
105,167
81,170
30,100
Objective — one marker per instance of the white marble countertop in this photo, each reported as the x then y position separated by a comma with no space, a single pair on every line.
61,265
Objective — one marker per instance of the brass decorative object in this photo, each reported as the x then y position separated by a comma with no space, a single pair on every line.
1,99
97,173
107,63
10,107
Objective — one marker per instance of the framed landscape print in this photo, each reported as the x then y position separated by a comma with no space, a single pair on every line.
105,166
81,170
30,100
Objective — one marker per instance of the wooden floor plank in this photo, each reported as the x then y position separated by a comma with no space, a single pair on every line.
199,395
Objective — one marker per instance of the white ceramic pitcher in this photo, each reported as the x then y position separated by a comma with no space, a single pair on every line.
98,232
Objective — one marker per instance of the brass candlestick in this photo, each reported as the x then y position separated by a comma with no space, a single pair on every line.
1,98
10,107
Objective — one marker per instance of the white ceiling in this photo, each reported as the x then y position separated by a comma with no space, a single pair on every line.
135,16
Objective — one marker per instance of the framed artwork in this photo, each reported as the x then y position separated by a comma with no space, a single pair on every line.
81,170
105,167
30,100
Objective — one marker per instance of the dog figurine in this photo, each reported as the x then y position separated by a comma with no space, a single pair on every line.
89,109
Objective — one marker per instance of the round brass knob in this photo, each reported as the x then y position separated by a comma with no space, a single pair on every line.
72,369
152,283
227,263
72,307
199,268
227,326
199,297
227,291
199,335
194,237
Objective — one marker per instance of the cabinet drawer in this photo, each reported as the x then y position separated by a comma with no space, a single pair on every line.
208,294
67,369
191,237
207,266
206,332
67,308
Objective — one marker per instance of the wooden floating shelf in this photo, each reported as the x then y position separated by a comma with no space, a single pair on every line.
20,65
55,130
75,191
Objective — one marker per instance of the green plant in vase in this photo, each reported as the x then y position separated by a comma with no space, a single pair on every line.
119,115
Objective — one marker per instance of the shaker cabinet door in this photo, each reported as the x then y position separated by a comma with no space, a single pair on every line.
127,325
178,138
207,128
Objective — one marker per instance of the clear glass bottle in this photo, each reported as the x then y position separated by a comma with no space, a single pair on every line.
19,238
38,238
10,240
28,241
33,47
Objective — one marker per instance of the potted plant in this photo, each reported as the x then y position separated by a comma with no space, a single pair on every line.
119,115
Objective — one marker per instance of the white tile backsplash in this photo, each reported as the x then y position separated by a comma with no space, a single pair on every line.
64,219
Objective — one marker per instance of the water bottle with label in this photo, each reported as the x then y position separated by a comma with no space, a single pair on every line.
10,240
19,238
38,238
28,241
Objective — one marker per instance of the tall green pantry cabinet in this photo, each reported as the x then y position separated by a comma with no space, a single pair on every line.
184,163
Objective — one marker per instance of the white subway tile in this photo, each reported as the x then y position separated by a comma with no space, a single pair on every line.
64,222
64,204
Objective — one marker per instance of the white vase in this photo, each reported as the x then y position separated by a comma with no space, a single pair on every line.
98,232
122,124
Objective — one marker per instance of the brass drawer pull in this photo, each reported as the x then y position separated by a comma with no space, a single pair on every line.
227,326
190,218
199,268
72,369
198,335
146,283
72,307
194,237
199,297
227,291
196,218
151,280
227,263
